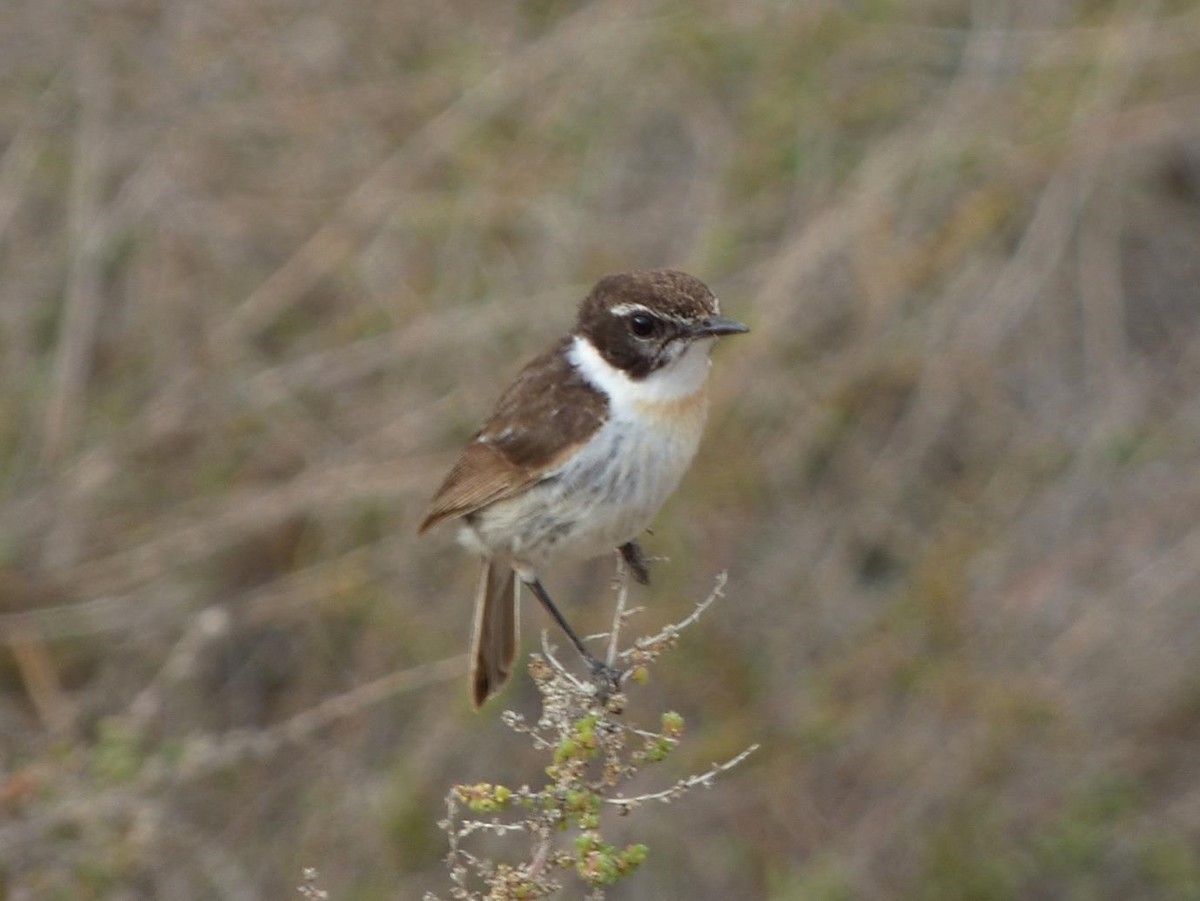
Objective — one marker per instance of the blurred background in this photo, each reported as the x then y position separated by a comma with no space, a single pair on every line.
265,265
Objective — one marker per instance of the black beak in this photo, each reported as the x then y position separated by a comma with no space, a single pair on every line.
719,325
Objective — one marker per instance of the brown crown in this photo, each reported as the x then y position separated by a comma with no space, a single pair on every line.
668,292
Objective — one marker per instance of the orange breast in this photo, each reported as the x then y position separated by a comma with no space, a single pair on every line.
680,412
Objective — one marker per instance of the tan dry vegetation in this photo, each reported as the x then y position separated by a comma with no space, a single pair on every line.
263,265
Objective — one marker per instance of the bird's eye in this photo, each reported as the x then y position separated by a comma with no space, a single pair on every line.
642,325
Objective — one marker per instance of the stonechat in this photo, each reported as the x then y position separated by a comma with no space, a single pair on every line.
581,451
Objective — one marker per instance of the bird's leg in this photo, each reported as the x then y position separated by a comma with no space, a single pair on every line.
637,561
608,679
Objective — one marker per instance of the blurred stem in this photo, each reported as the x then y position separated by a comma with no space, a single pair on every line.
84,296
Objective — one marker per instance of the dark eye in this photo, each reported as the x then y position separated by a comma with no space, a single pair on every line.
642,325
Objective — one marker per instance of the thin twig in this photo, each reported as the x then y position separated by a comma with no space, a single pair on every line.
683,785
718,591
547,650
622,582
206,626
40,679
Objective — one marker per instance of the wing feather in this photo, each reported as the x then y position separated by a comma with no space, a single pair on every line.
481,476
544,417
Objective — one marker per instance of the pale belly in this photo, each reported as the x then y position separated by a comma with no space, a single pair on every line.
603,497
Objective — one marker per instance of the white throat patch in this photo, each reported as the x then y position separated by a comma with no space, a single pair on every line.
679,379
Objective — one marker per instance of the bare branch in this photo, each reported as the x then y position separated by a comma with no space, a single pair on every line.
671,631
669,794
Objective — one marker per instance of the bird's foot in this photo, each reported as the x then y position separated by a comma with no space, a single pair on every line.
607,680
637,561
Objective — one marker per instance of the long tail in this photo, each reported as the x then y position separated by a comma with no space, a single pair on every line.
494,639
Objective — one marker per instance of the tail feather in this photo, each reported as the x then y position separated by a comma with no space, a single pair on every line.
494,639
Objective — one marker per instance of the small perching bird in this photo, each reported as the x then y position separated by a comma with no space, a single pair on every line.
582,450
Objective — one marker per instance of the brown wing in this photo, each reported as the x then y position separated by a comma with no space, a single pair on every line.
544,417
481,475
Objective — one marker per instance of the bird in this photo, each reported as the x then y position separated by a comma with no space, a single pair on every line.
581,451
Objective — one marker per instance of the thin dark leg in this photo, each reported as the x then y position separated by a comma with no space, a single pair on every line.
637,561
609,678
540,590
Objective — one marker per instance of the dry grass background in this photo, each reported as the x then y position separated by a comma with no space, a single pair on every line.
263,265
